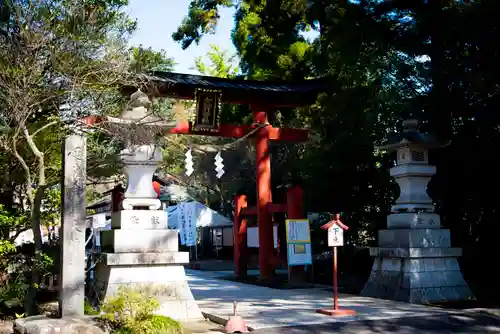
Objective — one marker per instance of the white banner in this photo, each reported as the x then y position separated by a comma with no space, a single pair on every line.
182,222
190,219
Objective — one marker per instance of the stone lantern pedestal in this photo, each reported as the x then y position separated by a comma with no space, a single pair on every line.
415,261
140,252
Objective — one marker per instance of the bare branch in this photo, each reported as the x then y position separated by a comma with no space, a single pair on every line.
29,184
43,128
37,154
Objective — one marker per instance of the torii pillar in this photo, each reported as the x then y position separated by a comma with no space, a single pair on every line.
264,195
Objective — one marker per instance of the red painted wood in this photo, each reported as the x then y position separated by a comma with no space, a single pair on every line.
295,204
238,131
271,207
264,217
240,237
337,221
252,211
157,188
117,196
276,208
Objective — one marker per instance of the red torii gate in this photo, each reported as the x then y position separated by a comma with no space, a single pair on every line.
262,97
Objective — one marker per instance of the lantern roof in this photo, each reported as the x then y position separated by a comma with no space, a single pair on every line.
411,136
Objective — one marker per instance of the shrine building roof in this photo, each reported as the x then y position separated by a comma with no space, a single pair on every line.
239,90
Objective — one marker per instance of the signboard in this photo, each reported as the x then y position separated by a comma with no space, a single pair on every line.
299,254
298,238
335,236
297,230
207,110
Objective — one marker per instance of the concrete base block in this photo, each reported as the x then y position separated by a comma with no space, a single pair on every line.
417,280
139,241
419,238
139,220
415,220
165,282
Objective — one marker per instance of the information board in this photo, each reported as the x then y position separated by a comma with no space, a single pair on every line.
297,230
298,238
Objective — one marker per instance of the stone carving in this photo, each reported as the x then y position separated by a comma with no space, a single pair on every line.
73,226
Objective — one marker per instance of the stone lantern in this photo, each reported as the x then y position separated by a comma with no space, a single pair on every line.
139,252
414,261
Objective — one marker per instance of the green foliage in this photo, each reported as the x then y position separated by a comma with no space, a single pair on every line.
17,264
131,311
149,60
59,61
89,309
221,63
201,19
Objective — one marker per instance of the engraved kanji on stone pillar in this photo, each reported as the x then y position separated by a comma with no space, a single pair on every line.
72,293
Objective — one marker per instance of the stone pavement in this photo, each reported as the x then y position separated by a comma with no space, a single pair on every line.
265,308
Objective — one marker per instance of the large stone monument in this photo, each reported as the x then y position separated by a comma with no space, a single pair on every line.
140,252
415,261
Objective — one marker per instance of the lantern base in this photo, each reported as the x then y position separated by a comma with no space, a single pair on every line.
337,312
417,275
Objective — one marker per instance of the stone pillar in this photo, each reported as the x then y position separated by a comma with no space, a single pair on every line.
72,277
415,261
140,252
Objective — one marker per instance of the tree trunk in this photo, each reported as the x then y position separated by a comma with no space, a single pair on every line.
30,305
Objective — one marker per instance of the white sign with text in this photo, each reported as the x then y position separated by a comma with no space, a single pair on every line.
335,236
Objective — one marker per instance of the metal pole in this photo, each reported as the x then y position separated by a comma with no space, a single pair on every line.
335,283
196,250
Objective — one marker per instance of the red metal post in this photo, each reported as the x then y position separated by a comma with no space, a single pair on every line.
335,282
335,311
240,236
264,218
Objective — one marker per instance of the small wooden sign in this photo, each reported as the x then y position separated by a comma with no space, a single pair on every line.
207,110
335,236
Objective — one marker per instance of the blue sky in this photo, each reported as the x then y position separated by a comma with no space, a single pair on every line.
158,19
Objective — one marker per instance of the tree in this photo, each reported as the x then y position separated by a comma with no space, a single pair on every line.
221,64
60,60
385,61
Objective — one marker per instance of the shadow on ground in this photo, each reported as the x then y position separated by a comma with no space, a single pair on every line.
472,322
